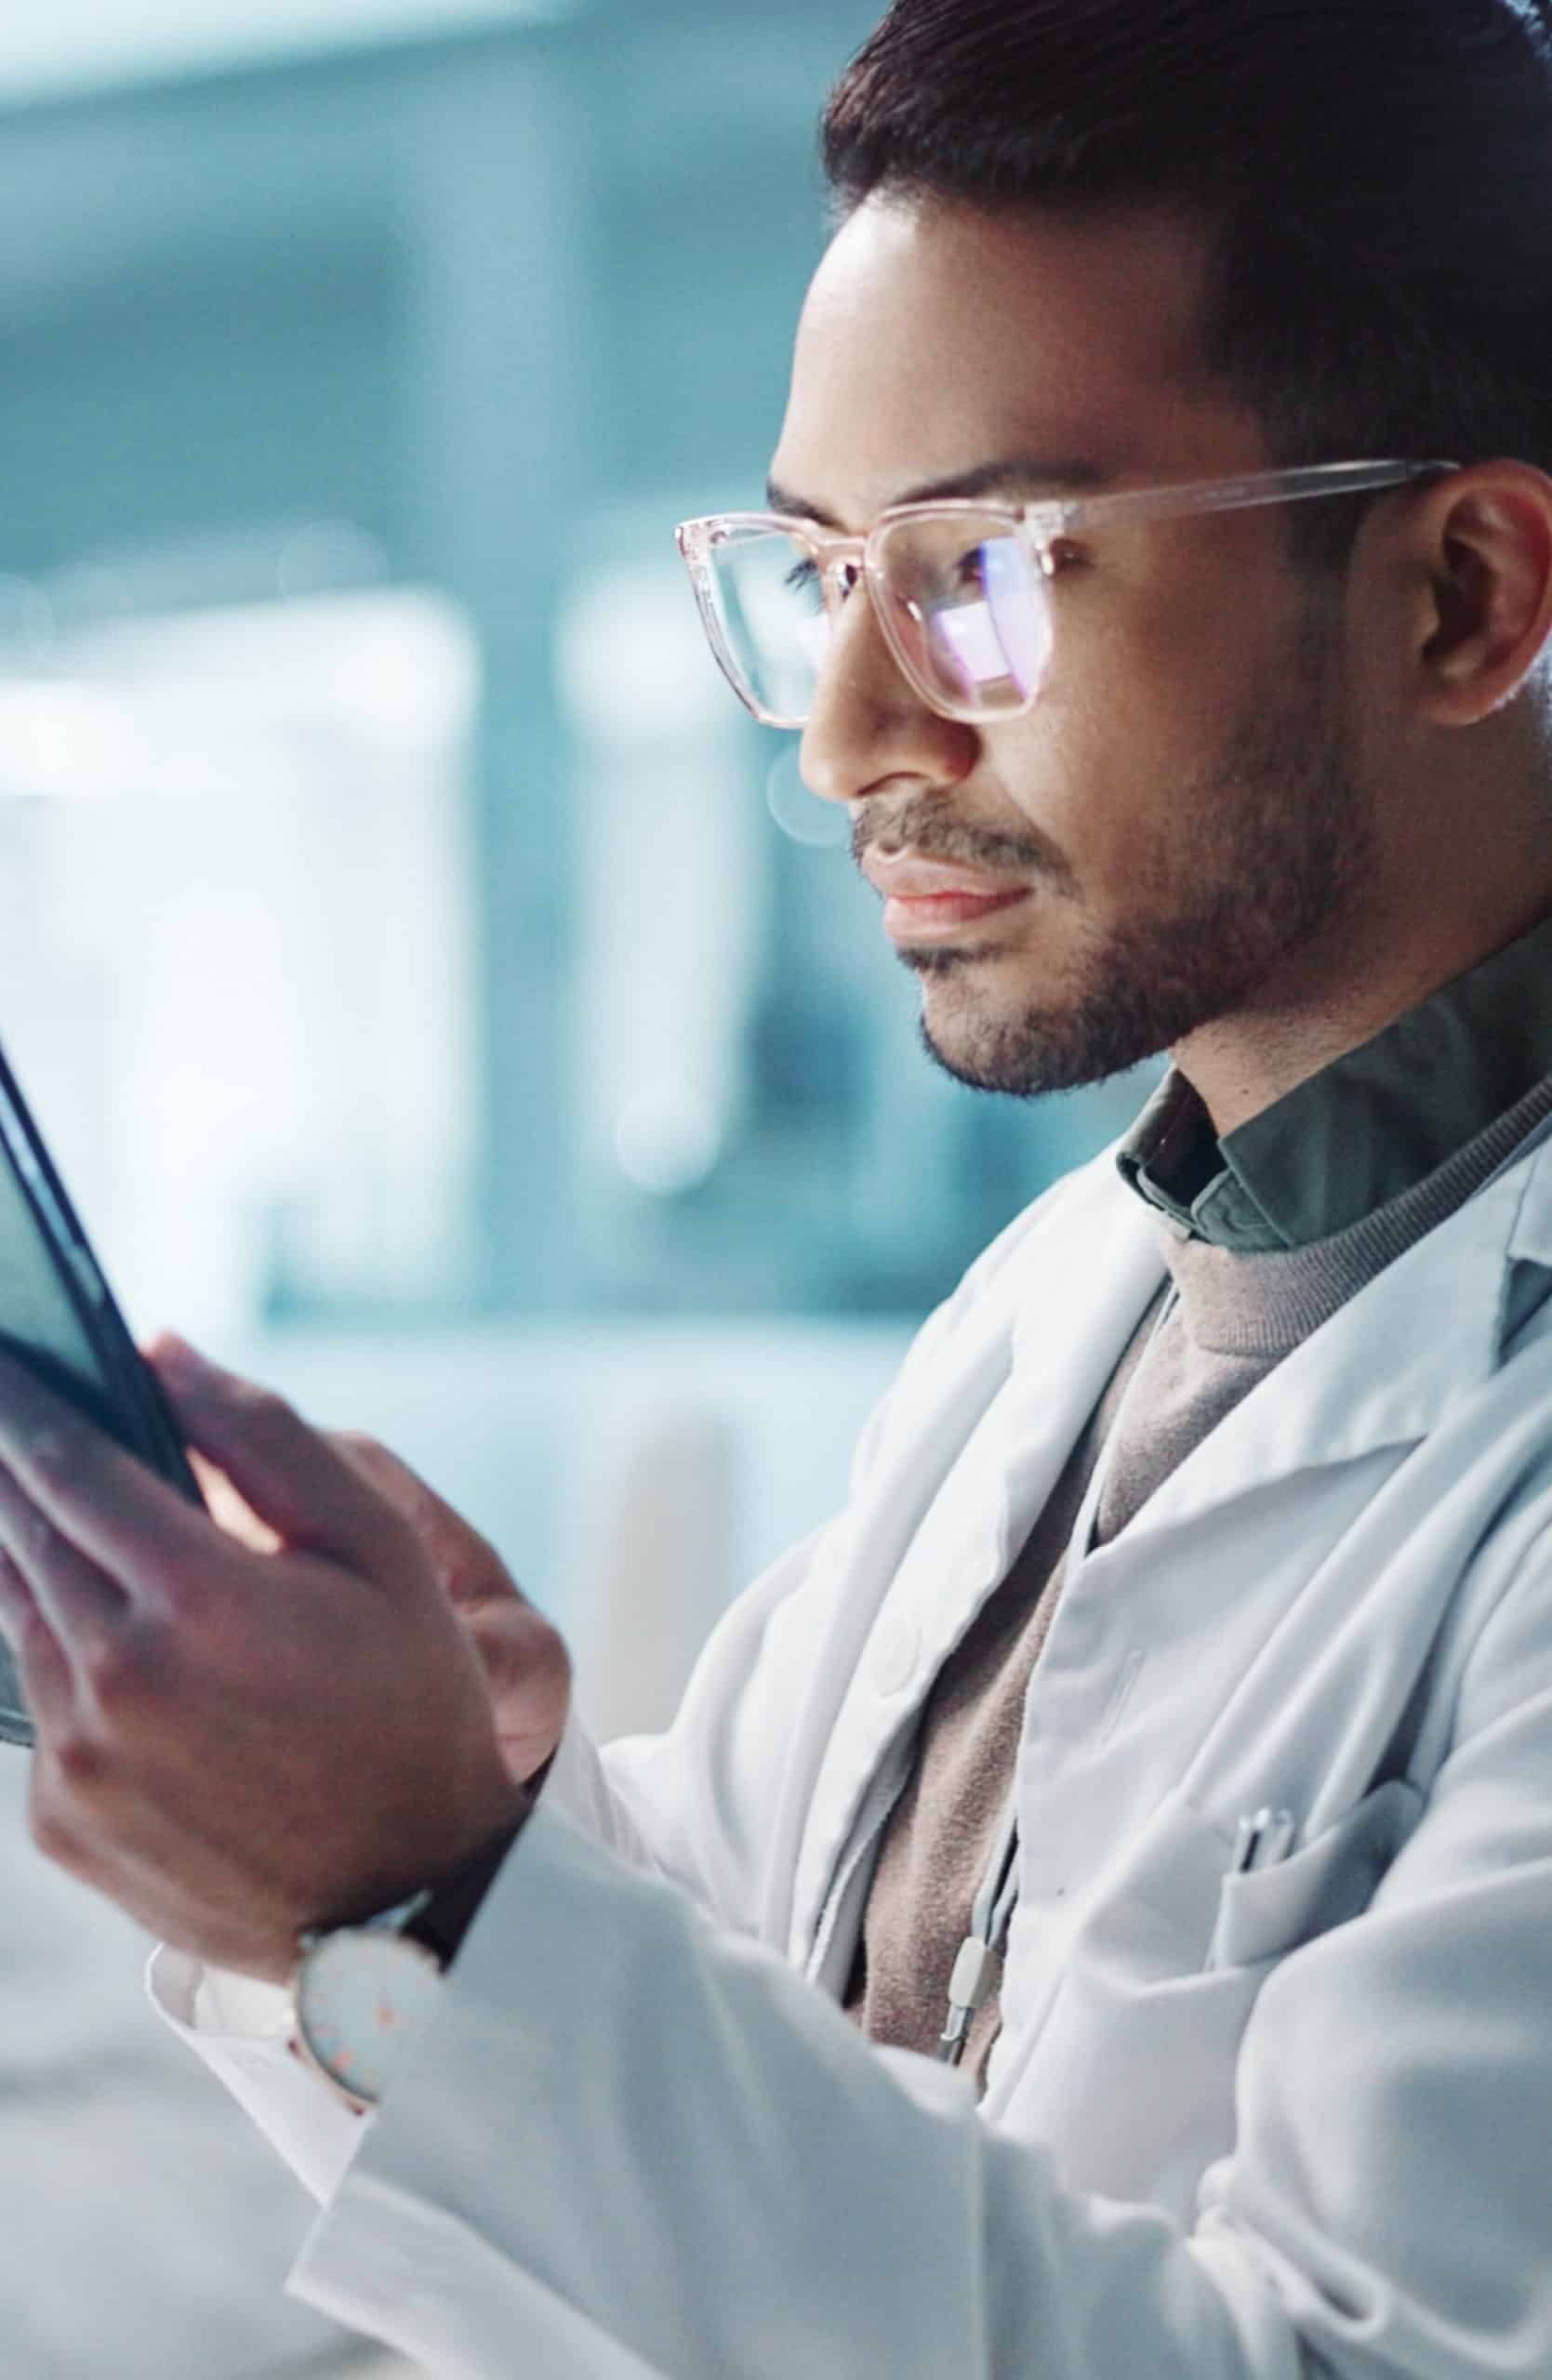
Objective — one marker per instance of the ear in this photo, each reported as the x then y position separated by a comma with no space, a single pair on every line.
1483,546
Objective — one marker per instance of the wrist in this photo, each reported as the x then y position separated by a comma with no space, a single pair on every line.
362,1993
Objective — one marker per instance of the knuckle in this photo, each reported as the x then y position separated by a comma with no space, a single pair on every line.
81,1764
123,1667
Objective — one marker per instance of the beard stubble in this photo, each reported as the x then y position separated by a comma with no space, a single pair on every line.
1280,845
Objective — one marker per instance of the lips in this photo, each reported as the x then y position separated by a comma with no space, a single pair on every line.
900,876
926,900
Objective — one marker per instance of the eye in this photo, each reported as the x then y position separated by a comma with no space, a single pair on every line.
1064,554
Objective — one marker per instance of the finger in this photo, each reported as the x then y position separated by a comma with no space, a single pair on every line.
76,1599
286,1471
528,1673
404,1489
469,1570
40,1665
111,1507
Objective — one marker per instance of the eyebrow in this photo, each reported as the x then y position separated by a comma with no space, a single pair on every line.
1021,474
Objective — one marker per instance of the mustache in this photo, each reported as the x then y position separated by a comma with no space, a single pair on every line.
922,827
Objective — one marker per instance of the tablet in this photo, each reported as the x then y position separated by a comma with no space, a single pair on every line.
58,1316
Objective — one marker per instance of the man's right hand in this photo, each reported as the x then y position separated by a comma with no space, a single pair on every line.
526,1665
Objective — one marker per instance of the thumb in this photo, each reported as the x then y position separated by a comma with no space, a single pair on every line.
285,1471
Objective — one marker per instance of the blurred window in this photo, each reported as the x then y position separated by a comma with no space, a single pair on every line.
399,918
235,958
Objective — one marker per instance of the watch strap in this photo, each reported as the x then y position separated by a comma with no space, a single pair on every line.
442,1916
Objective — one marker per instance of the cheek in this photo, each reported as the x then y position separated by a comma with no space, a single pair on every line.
1145,700
1101,771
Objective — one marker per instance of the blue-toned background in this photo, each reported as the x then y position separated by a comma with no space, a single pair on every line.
442,999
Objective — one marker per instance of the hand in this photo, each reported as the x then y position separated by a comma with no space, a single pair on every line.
524,1659
235,1744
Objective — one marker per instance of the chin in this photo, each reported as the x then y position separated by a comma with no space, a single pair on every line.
1024,1046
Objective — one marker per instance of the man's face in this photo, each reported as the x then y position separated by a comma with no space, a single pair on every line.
1175,823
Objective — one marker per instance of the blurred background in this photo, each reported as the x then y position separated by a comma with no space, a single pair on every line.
443,1001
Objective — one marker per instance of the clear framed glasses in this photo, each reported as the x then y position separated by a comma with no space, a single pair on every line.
960,589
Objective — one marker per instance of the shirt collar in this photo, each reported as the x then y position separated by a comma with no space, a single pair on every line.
1367,1128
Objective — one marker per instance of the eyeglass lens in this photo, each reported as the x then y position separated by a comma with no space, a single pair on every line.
965,604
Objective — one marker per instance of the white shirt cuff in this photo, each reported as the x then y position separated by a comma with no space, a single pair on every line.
241,2029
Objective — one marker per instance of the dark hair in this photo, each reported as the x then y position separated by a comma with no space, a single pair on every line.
1378,173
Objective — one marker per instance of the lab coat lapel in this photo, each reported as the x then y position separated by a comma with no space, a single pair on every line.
1389,1367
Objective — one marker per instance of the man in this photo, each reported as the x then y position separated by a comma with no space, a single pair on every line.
1184,1651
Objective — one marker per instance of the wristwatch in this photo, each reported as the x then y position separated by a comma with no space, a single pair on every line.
360,1993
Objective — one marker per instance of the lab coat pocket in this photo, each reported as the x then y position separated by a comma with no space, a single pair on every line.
1131,2078
1269,1912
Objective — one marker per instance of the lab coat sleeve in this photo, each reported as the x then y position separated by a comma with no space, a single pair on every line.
632,2144
635,2143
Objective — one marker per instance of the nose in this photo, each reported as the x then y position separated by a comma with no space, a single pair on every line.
867,723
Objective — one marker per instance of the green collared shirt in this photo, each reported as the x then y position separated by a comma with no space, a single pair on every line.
1369,1127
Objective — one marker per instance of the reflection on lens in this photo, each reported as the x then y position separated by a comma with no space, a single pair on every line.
970,631
1019,616
970,607
986,634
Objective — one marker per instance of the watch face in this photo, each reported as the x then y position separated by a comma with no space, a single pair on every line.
361,1997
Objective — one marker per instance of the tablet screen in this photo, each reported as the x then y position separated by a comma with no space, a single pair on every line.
57,1315
37,1313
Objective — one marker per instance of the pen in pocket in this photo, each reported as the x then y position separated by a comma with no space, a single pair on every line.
1262,1840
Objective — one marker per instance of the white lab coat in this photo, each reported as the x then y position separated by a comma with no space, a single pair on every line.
639,2138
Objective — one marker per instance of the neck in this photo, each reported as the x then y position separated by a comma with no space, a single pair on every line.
1242,1065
